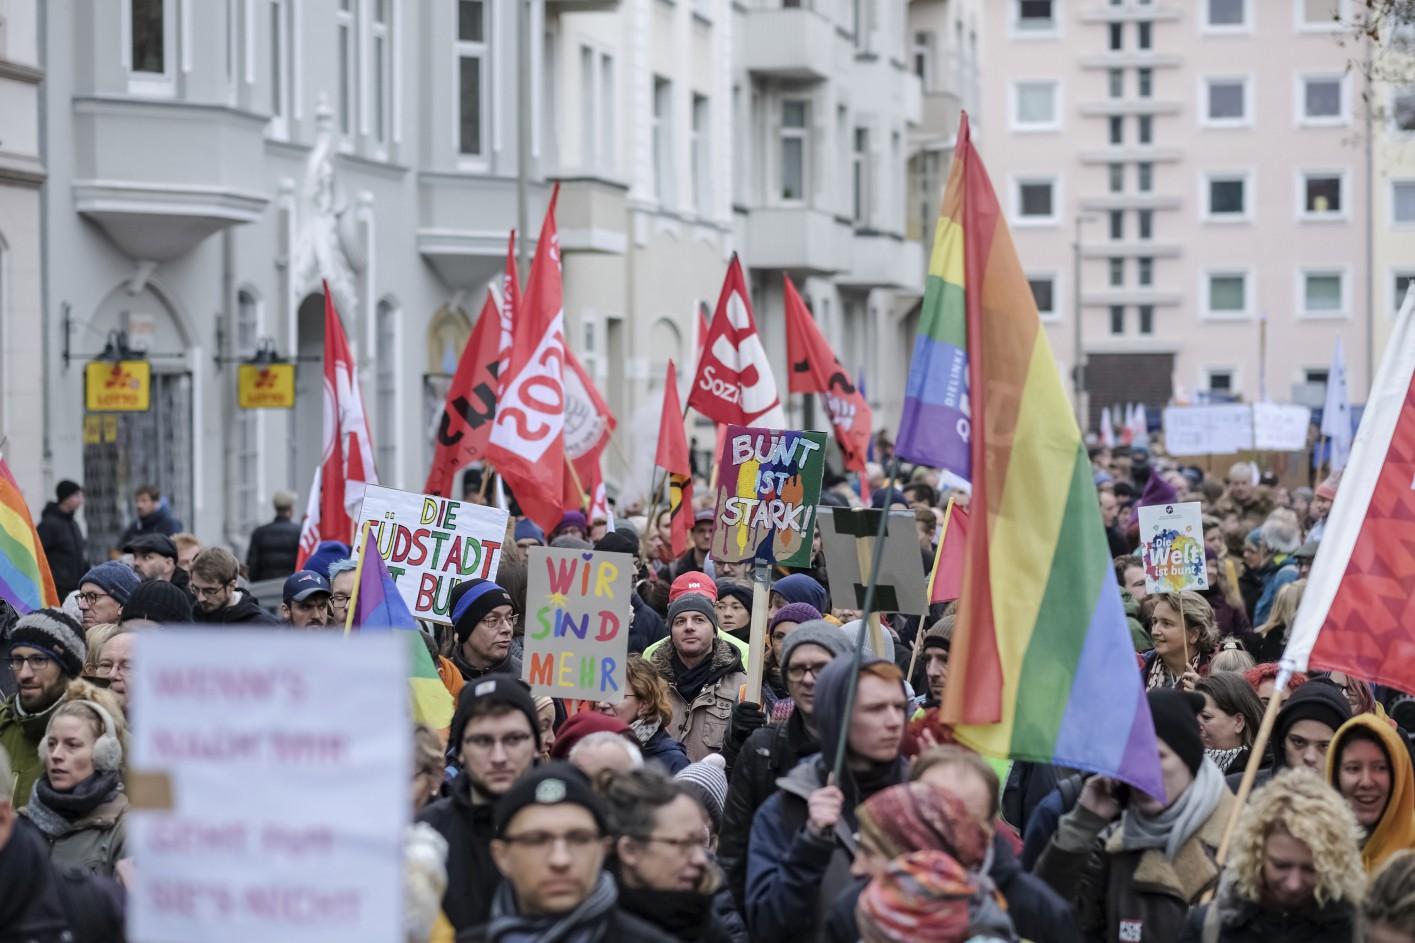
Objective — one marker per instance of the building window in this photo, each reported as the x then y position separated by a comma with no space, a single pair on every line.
1117,225
1402,201
1226,15
1323,292
1145,220
1117,178
701,155
1147,319
1219,380
1226,294
1115,80
1322,195
1401,284
1146,129
1316,376
1321,16
1117,273
1035,106
1226,197
1117,319
247,442
662,140
1146,35
1146,173
386,325
348,77
1145,267
1044,294
279,49
794,126
1117,37
1402,109
924,58
148,37
597,133
1034,16
1117,130
471,77
1323,99
1145,80
382,77
1225,102
1036,201
859,162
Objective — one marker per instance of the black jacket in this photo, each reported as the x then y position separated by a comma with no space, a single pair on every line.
1242,921
63,544
1038,912
646,626
273,550
246,611
43,904
623,927
160,521
472,877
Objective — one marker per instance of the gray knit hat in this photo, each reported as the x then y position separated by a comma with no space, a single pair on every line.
116,579
693,602
707,778
827,635
56,634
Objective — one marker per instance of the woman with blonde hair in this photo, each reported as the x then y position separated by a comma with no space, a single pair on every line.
647,710
1230,658
95,638
1272,634
1165,666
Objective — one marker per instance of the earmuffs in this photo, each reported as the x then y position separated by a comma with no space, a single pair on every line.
107,751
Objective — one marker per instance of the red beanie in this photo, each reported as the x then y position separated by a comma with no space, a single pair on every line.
581,725
692,582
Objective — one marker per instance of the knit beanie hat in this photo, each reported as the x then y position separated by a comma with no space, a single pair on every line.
852,630
819,632
470,601
526,529
1318,700
492,689
571,542
1176,717
692,602
557,783
580,725
919,817
797,612
570,519
617,541
326,553
54,633
692,582
116,579
940,634
798,587
160,602
735,589
707,778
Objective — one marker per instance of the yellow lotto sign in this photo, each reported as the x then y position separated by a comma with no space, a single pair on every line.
266,385
118,386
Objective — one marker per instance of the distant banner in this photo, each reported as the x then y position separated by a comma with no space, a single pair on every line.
1172,547
1208,430
431,544
1280,428
577,618
769,483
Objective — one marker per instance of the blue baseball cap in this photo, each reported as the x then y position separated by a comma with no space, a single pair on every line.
304,583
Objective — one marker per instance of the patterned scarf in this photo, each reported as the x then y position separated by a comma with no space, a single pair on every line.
587,923
644,729
928,897
1160,676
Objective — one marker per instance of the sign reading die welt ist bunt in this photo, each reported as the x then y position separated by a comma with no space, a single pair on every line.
768,485
1172,547
577,622
431,544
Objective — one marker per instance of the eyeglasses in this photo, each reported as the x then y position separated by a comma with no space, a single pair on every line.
486,742
684,845
797,672
493,620
209,592
36,662
577,840
339,599
113,668
88,599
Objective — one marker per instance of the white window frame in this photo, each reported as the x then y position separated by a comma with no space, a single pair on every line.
1207,177
1032,222
783,134
662,151
1250,283
151,84
598,133
1391,93
1014,108
279,65
1224,28
1343,195
383,81
922,43
700,153
346,35
1015,29
387,377
1208,121
1300,23
1396,183
1393,297
1299,101
481,51
1303,312
1058,312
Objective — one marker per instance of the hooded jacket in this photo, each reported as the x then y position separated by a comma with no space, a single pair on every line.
63,544
1395,831
702,725
246,611
1316,700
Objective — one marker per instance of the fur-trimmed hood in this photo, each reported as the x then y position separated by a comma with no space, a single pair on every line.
725,660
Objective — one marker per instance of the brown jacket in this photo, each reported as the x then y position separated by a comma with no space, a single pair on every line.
1123,895
702,726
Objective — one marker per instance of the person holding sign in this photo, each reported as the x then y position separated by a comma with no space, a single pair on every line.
1182,629
483,619
703,673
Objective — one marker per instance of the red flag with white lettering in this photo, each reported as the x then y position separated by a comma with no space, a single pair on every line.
588,426
814,368
470,408
528,437
734,385
672,456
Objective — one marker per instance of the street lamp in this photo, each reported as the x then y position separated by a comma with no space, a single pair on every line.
1078,353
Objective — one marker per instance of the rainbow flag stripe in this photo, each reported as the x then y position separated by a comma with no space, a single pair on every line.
379,607
25,580
1042,651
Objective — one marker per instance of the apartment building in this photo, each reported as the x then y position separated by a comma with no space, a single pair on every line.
1187,187
1392,133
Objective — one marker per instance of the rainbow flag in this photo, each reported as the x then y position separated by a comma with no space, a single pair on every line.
1042,667
377,606
25,580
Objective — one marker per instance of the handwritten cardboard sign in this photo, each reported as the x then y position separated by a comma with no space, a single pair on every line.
1172,547
1280,427
283,761
902,585
769,482
577,623
431,544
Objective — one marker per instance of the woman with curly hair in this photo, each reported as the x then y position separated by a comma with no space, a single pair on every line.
1192,638
1295,870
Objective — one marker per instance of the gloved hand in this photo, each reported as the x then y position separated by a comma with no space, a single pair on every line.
746,717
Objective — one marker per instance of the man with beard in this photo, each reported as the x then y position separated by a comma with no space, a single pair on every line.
46,651
219,601
484,620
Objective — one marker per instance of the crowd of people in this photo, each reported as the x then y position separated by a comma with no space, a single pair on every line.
837,807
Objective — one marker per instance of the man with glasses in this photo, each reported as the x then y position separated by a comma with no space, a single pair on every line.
115,662
341,582
45,652
219,600
772,752
484,621
495,736
102,592
306,604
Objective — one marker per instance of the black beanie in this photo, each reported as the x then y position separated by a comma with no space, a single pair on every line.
159,601
55,633
617,541
1319,700
492,689
1176,717
486,597
735,589
557,783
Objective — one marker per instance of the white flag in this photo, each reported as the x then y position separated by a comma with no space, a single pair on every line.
1336,414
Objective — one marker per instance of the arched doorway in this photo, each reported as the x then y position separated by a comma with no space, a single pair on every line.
307,447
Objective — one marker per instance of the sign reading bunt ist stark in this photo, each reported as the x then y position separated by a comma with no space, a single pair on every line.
1172,547
431,544
269,786
769,483
577,623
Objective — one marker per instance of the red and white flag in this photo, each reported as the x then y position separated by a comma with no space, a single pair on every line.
588,426
734,384
465,426
673,457
812,367
1357,611
527,444
1107,430
347,463
510,305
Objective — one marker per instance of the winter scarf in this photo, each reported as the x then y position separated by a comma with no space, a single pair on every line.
683,915
1173,826
54,811
1223,759
645,729
831,690
691,681
587,923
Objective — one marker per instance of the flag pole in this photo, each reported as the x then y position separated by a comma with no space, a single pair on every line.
579,488
358,576
933,575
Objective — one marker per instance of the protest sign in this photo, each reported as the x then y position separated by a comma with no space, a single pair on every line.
242,730
768,484
1172,547
1208,430
577,623
1280,428
902,586
431,544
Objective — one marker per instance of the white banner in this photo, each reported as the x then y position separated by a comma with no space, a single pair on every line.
1208,430
1280,428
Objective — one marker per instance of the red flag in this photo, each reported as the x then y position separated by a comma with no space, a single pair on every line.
814,368
703,326
337,489
946,580
588,426
528,437
673,458
510,304
470,409
734,384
